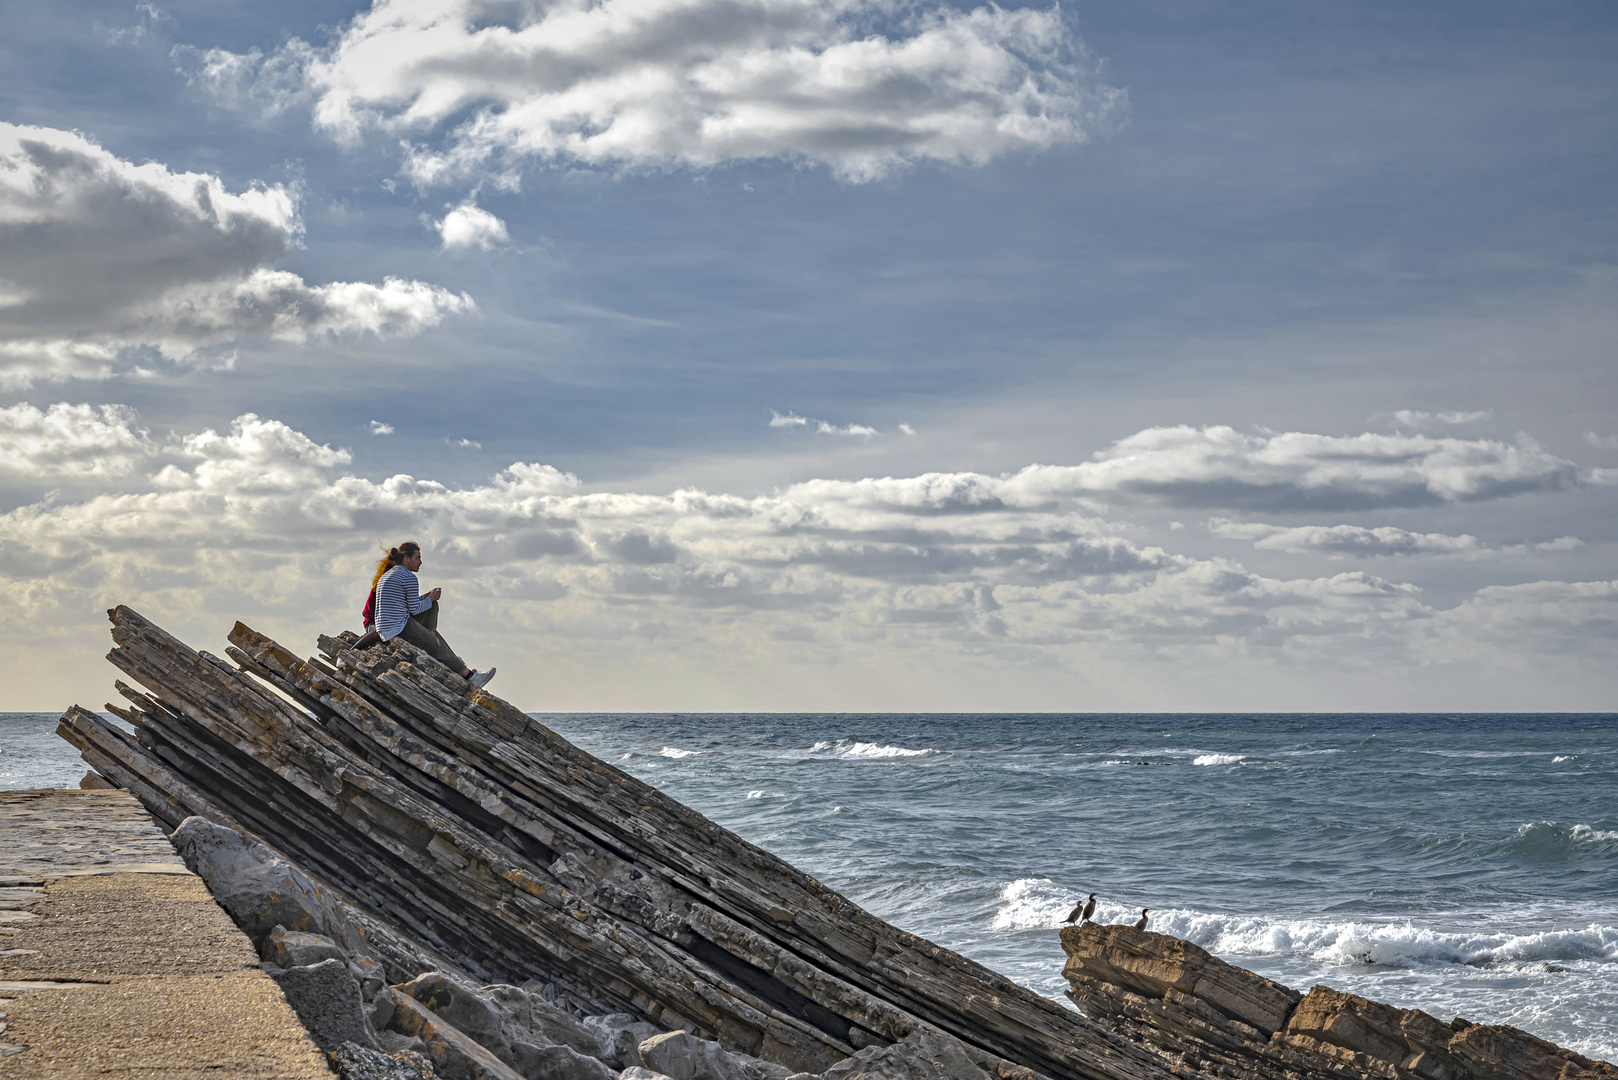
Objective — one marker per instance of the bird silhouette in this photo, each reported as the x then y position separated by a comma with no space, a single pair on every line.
1081,910
1140,923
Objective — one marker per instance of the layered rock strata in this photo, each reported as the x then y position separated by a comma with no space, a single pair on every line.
1211,1018
440,829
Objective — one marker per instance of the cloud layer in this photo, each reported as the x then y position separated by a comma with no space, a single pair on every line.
260,517
862,86
1219,467
100,256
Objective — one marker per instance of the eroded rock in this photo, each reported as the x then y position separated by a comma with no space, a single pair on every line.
294,948
683,1056
327,1001
354,1062
454,1054
923,1055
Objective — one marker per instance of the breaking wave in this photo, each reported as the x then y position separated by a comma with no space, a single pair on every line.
1548,840
1218,759
848,748
676,752
1041,904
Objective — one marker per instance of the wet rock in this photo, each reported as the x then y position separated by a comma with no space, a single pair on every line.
354,1062
923,1055
327,1001
294,948
454,1054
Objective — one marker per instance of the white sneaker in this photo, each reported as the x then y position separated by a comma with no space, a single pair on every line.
480,679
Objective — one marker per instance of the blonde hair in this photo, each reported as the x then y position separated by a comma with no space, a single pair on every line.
395,557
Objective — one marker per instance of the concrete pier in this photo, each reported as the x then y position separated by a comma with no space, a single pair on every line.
116,962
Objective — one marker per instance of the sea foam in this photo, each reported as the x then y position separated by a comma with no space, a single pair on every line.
1218,759
848,748
676,752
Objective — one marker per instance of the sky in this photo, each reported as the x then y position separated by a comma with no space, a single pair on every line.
825,355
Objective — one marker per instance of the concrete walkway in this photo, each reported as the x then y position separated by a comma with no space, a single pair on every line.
116,962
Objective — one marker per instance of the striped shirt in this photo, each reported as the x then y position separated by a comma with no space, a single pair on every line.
397,598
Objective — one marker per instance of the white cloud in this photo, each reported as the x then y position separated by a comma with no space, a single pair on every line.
1336,541
824,428
789,420
1417,418
379,428
906,429
862,86
1601,442
99,256
1221,467
469,226
262,518
71,440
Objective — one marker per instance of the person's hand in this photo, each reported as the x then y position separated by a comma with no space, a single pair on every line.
435,594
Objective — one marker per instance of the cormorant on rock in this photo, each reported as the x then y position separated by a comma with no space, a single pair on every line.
1081,910
1140,923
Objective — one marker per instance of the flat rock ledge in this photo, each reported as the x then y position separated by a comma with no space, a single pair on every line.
1211,1018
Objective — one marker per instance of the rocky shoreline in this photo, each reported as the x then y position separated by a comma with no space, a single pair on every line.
441,885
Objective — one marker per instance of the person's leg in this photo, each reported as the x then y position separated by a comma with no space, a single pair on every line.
429,618
432,643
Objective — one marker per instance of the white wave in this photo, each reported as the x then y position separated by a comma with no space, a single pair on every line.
1562,757
755,794
848,748
1032,904
1218,759
1403,945
1584,832
676,752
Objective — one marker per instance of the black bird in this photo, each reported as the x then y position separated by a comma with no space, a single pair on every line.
1140,923
1081,910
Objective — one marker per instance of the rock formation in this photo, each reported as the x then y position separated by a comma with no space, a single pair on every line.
434,828
1212,1018
426,870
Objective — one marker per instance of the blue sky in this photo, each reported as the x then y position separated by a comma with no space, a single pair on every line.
1385,230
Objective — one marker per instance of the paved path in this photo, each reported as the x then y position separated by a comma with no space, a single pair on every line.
116,962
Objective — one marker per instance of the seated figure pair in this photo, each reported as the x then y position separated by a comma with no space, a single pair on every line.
397,608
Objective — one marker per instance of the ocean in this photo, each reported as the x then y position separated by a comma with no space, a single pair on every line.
1465,865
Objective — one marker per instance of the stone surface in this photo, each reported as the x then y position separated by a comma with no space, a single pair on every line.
461,826
129,973
352,1062
619,1035
682,1056
559,1062
461,1006
294,948
921,1056
635,1072
1200,1013
454,1054
327,1000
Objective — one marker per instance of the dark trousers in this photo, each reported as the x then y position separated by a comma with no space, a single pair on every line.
422,632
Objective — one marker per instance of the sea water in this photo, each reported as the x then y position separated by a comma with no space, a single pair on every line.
1465,865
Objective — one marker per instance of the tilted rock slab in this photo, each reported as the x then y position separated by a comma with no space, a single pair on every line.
452,832
1211,1017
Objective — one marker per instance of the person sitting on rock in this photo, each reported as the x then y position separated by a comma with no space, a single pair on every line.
401,611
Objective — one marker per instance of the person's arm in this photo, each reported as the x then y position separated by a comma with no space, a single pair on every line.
414,603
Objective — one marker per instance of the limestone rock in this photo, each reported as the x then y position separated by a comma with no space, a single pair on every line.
327,1001
683,1056
558,1027
94,781
1152,964
559,1062
354,1062
635,1072
921,1056
460,1006
454,1054
294,948
619,1036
